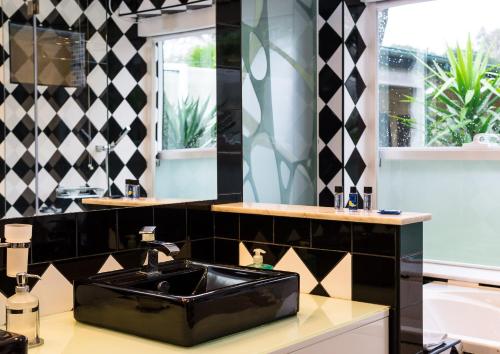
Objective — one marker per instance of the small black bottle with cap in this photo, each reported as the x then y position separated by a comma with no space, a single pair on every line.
367,198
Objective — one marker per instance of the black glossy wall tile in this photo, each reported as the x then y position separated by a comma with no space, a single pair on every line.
256,228
200,223
292,231
96,232
226,251
229,173
230,12
411,239
133,258
411,325
373,279
331,235
229,131
408,348
54,237
273,252
228,90
319,262
203,250
410,280
227,225
374,239
229,197
228,46
130,221
171,223
80,268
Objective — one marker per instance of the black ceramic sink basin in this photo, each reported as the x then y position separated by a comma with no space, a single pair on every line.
187,302
11,343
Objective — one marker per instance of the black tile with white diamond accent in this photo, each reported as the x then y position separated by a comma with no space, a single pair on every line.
329,83
330,42
329,124
358,169
331,166
355,126
355,166
330,93
355,85
355,44
56,131
70,116
24,131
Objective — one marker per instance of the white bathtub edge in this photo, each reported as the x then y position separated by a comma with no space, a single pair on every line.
469,273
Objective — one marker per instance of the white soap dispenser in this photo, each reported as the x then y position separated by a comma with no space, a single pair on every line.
258,260
23,315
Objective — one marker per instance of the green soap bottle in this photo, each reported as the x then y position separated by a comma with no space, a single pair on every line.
258,260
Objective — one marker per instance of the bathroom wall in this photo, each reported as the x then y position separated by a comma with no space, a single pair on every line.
346,121
114,97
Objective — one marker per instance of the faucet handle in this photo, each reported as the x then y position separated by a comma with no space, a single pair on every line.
148,233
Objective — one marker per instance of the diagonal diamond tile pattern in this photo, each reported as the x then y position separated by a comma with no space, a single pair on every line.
71,118
330,46
357,168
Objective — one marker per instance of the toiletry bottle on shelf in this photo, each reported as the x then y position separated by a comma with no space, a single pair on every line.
258,260
23,315
352,203
338,198
367,198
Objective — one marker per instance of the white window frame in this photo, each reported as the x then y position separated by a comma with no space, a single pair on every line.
417,153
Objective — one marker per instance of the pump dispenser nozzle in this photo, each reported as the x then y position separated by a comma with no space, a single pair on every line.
257,256
258,260
22,283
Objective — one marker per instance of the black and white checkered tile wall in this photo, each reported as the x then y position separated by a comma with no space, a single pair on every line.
74,120
344,140
330,97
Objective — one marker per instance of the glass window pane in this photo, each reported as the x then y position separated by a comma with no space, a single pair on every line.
189,89
437,69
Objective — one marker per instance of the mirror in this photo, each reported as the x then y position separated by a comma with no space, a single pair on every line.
94,112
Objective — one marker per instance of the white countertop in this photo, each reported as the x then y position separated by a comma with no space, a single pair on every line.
319,318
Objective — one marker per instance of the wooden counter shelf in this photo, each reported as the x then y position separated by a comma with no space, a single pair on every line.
321,213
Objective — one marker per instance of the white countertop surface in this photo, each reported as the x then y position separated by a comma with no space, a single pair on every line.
319,318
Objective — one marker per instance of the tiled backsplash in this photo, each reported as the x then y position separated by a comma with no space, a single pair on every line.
364,262
70,246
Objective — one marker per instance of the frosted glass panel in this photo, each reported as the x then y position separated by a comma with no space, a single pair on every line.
463,198
279,101
187,179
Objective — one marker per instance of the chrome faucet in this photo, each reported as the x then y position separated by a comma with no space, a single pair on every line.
148,240
112,146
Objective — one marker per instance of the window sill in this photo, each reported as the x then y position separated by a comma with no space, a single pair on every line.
439,153
461,272
188,154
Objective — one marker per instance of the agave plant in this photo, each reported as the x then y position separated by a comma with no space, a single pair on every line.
461,100
189,123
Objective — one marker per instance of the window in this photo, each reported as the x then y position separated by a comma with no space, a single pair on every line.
438,75
188,86
425,118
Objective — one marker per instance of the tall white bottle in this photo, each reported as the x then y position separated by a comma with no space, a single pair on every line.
23,313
